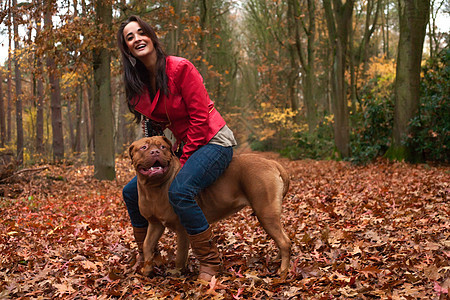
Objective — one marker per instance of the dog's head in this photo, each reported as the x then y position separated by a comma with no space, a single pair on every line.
152,157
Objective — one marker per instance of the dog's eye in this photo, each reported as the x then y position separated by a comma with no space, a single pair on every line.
144,147
163,147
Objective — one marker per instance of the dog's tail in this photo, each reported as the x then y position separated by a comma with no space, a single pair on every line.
284,177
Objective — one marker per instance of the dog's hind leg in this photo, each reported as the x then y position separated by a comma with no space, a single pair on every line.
266,200
154,232
272,225
268,211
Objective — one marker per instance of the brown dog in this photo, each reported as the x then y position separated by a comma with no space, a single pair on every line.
249,180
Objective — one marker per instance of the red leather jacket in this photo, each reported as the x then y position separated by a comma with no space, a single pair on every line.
187,111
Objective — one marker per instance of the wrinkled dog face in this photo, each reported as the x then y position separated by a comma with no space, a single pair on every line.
151,156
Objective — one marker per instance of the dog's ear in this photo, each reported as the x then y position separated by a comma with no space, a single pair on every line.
130,151
168,143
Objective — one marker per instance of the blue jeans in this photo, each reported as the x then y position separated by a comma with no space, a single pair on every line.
130,196
202,168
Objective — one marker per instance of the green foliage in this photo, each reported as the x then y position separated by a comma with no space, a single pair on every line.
399,153
373,123
317,145
278,132
260,145
431,127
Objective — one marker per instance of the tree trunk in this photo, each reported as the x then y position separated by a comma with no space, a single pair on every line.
40,96
205,14
115,82
126,131
78,108
310,70
294,69
292,87
40,110
55,94
369,29
18,81
87,121
9,105
339,101
174,34
361,54
2,115
70,125
104,167
308,64
433,37
76,145
413,17
352,69
339,18
387,30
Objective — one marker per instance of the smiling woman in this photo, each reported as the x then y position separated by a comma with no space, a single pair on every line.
169,91
140,44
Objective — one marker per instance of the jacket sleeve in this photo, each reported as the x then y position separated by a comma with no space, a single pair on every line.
190,85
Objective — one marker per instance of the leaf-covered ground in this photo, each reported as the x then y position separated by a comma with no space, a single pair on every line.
380,231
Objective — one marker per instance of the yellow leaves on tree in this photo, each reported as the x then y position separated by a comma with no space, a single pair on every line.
275,119
381,72
380,66
70,80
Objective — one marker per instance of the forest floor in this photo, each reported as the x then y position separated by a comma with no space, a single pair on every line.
380,231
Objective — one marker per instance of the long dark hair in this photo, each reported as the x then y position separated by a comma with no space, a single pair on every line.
136,77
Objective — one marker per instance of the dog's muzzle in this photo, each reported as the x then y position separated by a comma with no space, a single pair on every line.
156,169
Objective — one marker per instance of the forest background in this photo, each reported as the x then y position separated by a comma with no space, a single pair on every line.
351,80
332,85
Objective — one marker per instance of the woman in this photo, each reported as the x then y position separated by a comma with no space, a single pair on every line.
169,91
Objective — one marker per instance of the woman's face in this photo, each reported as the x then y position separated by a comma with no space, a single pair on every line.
139,44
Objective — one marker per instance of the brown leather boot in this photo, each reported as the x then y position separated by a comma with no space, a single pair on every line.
205,249
139,237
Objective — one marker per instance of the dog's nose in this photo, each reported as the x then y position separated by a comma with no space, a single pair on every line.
154,152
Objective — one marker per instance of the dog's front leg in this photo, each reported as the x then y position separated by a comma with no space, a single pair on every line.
182,249
154,232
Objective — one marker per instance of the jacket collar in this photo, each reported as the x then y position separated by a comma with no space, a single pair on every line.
145,105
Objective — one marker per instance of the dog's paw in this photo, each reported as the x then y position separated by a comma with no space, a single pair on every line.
147,269
176,272
283,274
